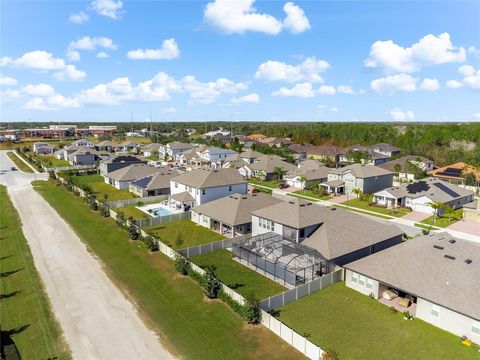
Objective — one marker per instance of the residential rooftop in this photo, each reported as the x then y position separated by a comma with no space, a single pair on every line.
208,177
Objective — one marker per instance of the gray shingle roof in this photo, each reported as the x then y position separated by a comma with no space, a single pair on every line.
179,145
419,268
361,171
132,172
159,180
182,197
205,178
390,165
268,163
235,209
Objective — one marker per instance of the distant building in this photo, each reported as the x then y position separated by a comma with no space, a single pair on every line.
118,162
407,168
455,173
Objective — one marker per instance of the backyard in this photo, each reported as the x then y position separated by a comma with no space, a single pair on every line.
189,232
356,327
237,276
364,205
132,211
175,306
444,221
25,310
48,160
19,162
100,188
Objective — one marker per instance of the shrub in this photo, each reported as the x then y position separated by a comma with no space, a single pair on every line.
329,355
152,244
51,175
179,240
104,211
133,232
182,264
210,283
393,309
93,205
251,309
120,220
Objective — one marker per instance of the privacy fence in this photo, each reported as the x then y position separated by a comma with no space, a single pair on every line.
135,201
159,220
207,248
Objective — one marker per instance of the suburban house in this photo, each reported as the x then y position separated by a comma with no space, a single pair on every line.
366,156
106,145
455,173
83,143
118,162
86,157
234,162
434,277
216,155
122,177
366,178
191,157
326,152
420,194
408,168
155,184
126,146
43,148
230,215
340,236
299,151
256,137
203,185
386,149
264,167
305,175
250,156
67,150
150,149
175,147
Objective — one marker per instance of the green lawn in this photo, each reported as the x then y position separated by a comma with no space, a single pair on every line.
272,184
98,185
363,205
443,221
24,307
189,325
49,160
237,276
191,233
356,327
19,163
133,212
310,193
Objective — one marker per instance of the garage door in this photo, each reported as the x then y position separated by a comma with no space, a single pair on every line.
423,208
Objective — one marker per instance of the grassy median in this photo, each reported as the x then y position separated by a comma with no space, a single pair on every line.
25,313
19,162
189,325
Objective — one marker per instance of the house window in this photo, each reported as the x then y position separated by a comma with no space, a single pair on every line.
302,233
230,188
354,277
204,218
260,222
203,191
435,311
369,284
361,280
176,185
476,327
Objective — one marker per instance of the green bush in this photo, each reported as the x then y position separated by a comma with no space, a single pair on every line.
182,265
152,244
211,285
251,309
133,232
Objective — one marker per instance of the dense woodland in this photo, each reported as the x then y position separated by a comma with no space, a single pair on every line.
442,142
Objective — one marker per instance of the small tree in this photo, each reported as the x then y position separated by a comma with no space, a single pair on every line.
397,167
436,206
357,192
303,181
182,264
251,309
104,211
152,244
179,240
448,211
279,171
120,220
51,175
133,232
211,285
470,179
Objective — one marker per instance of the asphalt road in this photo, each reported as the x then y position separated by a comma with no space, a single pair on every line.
97,320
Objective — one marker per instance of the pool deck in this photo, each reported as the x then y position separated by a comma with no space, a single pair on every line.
146,208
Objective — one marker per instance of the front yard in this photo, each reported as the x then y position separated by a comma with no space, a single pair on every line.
356,327
364,205
443,221
190,233
311,193
100,188
237,276
272,184
48,160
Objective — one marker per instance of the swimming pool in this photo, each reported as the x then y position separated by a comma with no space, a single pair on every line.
160,212
157,210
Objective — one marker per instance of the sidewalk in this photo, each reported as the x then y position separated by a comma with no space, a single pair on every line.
25,161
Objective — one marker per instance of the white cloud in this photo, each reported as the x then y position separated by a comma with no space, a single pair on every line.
309,70
326,90
78,18
476,116
399,115
454,84
390,84
303,90
250,98
296,21
429,50
169,110
60,101
474,51
240,16
321,106
37,104
345,89
471,76
334,109
7,81
108,8
9,95
89,44
69,73
168,51
102,55
40,90
430,84
209,92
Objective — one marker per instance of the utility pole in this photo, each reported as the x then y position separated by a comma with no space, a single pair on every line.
131,122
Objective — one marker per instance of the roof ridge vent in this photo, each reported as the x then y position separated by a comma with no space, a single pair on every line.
450,257
452,241
438,247
468,261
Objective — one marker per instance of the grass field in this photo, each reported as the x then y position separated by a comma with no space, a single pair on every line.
49,160
272,184
310,193
237,276
19,162
189,325
356,327
363,205
191,233
24,307
443,221
101,189
132,211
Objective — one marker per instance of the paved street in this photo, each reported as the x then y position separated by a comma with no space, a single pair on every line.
96,318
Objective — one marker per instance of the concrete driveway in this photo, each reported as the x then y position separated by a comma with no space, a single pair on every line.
466,226
416,216
97,320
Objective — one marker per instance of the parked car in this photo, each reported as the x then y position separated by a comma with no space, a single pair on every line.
13,168
284,186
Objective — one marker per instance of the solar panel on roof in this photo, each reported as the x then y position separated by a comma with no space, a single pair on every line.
446,190
454,172
143,183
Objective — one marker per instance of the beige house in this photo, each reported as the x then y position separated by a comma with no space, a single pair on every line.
435,277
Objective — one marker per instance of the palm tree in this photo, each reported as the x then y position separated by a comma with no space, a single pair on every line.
436,206
448,211
303,181
357,192
280,171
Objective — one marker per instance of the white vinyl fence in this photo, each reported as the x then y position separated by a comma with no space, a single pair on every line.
162,219
207,248
289,296
134,201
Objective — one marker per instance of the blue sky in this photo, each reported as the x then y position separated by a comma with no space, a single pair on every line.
240,60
